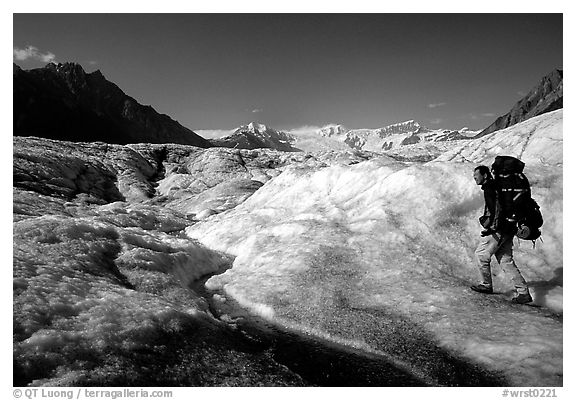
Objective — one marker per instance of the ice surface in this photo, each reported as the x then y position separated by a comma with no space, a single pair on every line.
537,141
380,255
354,247
105,280
101,297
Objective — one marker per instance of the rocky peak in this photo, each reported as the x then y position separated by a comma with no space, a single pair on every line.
62,101
411,127
73,75
262,131
66,68
256,135
254,128
545,97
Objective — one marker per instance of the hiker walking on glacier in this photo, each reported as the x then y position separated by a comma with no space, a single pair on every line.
496,240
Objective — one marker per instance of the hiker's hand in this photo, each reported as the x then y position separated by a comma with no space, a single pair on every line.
486,232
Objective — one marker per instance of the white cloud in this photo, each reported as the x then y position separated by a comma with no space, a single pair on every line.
434,105
213,133
257,110
303,130
31,52
490,115
521,93
436,121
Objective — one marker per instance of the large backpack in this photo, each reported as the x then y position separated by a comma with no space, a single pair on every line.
515,198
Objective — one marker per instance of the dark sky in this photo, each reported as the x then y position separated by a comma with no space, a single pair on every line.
219,71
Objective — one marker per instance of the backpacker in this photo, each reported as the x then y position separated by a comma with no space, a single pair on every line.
515,198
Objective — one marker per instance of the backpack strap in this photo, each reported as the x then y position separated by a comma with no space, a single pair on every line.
520,192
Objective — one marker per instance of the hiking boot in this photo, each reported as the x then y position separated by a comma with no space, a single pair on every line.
480,288
522,298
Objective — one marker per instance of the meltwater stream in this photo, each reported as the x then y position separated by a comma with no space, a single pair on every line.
320,362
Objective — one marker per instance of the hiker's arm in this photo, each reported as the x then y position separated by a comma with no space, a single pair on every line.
495,210
492,208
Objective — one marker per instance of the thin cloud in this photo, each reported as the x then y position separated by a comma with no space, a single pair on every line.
32,53
475,116
436,121
521,93
434,105
257,110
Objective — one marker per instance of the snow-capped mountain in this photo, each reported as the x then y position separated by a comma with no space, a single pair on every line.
336,137
255,128
256,135
410,127
392,136
332,130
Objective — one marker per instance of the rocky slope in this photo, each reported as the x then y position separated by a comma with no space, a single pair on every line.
545,97
64,102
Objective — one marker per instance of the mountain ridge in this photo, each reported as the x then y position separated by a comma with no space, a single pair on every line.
546,96
256,135
62,101
391,136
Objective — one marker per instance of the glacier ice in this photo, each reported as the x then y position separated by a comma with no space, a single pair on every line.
354,247
345,251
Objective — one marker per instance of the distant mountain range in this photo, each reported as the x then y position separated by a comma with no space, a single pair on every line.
336,137
545,97
392,136
62,101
